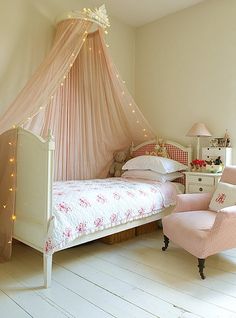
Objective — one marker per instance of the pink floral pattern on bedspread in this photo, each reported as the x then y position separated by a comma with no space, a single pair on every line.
86,206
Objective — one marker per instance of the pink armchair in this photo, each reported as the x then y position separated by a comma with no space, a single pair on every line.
198,230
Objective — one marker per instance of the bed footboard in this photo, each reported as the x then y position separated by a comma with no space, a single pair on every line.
34,188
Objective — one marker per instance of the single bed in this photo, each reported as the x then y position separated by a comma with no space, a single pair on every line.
47,213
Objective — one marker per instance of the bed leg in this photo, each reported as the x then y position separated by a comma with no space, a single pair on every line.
47,270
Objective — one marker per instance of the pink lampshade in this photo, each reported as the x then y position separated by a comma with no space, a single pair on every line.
198,129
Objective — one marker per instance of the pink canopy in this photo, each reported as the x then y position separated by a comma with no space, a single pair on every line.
78,93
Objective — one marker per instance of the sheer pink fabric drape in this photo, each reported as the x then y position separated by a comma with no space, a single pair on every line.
78,93
8,158
91,115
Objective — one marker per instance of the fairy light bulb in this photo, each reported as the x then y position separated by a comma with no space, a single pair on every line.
71,64
10,189
41,108
137,122
144,129
130,104
11,160
107,45
62,84
106,32
12,174
123,93
13,217
52,97
10,143
133,111
4,206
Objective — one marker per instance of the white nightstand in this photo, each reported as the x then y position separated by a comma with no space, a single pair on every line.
197,182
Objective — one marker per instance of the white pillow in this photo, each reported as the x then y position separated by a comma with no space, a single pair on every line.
151,175
154,163
223,197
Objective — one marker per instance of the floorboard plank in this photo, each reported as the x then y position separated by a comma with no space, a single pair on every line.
27,299
9,308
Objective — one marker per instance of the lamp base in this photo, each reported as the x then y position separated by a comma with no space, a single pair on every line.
198,147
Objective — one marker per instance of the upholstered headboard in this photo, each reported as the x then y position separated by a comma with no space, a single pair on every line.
176,151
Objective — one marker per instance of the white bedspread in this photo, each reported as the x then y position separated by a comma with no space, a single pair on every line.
85,206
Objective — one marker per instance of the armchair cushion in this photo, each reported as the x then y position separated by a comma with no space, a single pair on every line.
224,196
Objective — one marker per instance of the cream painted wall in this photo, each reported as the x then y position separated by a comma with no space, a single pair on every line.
186,70
25,36
121,39
26,33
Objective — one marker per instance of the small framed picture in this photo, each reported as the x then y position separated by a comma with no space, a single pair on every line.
218,142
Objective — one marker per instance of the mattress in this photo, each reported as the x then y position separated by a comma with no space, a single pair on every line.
86,206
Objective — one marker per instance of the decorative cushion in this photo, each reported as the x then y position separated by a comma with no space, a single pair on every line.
224,196
152,175
157,164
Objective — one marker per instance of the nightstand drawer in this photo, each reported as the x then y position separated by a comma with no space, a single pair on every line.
201,180
196,188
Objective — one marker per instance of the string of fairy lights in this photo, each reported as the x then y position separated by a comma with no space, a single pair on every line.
11,189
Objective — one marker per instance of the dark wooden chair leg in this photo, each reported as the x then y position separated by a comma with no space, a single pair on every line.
201,262
166,242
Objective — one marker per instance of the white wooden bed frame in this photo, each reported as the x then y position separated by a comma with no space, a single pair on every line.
34,196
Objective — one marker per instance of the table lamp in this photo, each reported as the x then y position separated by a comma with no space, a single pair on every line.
198,130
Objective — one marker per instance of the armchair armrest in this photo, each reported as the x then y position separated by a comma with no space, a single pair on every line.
225,221
229,211
192,202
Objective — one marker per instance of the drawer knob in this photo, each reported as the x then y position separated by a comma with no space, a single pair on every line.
200,189
199,179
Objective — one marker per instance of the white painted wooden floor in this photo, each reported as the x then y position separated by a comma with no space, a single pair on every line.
134,279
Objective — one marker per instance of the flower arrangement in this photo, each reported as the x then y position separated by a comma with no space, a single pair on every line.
198,165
